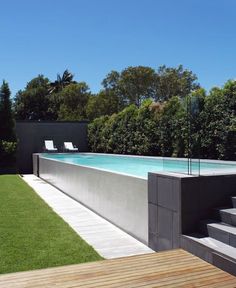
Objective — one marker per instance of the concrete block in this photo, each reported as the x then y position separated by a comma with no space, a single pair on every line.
152,188
165,228
152,218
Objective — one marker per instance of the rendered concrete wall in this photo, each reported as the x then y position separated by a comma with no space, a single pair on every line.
164,207
119,198
177,203
31,136
36,164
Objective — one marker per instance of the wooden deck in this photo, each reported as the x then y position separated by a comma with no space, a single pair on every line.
176,268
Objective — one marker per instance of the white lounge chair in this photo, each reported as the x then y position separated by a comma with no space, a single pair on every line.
68,146
49,146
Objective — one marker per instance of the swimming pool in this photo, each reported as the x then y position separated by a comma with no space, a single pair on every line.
118,188
139,166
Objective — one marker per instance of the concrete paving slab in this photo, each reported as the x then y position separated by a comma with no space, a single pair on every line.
107,239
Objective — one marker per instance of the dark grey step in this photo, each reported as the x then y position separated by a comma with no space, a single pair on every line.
222,232
211,250
233,201
228,216
216,212
203,226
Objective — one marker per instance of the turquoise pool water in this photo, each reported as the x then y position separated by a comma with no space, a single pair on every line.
140,166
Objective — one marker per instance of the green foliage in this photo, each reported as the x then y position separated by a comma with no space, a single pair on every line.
105,102
45,100
172,128
128,132
7,152
183,120
135,84
7,128
218,118
174,82
95,134
132,85
7,124
73,102
33,102
197,125
41,100
61,82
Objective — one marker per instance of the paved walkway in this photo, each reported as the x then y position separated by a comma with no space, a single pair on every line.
108,240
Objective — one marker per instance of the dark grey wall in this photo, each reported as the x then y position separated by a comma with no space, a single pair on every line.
31,136
177,204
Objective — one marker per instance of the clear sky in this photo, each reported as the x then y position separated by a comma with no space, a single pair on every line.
93,37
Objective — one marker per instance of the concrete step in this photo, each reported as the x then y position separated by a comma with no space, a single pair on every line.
211,250
220,231
203,229
215,213
228,216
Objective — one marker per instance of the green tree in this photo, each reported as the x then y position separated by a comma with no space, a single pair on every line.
137,84
132,85
74,99
104,103
174,82
33,102
6,116
111,85
61,82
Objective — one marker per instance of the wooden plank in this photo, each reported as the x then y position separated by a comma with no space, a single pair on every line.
176,268
132,261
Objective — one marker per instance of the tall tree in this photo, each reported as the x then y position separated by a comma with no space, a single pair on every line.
61,82
111,86
174,82
74,99
137,84
33,102
104,103
7,132
132,85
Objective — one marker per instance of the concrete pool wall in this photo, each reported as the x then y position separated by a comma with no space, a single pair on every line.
163,211
156,211
121,199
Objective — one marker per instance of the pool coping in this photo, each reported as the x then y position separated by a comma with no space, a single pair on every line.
229,171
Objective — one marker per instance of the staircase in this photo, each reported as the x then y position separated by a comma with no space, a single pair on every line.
216,240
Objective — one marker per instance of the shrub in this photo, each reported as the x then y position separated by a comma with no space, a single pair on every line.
7,152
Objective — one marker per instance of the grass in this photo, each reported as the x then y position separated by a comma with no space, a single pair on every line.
32,236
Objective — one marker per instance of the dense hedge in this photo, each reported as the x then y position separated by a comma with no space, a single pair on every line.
8,152
164,129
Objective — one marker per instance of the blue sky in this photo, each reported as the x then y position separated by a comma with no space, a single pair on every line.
93,37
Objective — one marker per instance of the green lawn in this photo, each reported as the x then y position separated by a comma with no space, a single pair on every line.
32,236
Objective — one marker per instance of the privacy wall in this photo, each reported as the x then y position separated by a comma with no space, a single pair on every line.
31,136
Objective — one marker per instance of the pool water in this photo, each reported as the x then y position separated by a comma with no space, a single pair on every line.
140,166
